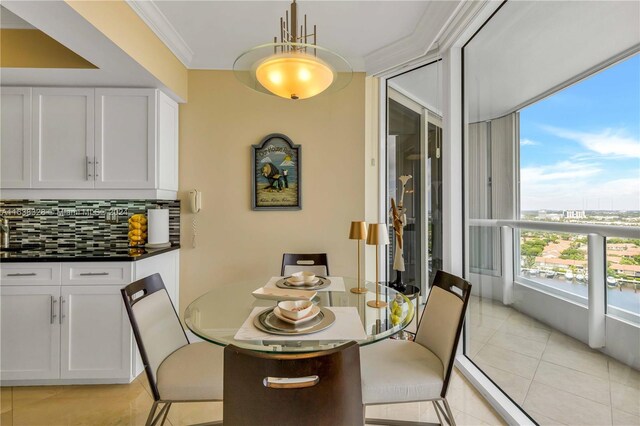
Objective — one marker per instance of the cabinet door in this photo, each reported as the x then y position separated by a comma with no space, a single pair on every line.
167,143
30,333
15,137
95,333
62,129
125,138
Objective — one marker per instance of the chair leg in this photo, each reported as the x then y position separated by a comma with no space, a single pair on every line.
437,408
162,414
452,422
151,413
168,406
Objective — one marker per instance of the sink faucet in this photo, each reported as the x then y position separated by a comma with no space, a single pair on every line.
4,232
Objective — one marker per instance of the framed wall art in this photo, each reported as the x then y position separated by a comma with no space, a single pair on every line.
276,172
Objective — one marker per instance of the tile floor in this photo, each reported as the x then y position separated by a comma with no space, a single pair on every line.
555,378
129,405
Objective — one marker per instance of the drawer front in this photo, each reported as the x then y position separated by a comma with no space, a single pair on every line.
108,273
30,273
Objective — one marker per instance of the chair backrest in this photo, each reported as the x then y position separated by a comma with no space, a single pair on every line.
316,263
155,323
327,389
442,320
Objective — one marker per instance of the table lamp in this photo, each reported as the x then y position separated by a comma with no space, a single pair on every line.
358,232
377,236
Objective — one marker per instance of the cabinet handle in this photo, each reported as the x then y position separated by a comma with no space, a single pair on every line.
61,309
89,163
53,309
95,169
18,274
93,274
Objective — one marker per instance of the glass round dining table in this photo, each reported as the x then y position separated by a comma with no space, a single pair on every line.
218,315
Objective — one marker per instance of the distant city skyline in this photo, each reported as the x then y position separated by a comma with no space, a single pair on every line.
580,148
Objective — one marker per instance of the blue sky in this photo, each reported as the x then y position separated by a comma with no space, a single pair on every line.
580,148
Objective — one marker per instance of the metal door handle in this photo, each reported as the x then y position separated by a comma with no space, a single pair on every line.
95,169
18,274
93,274
290,382
89,163
61,309
53,309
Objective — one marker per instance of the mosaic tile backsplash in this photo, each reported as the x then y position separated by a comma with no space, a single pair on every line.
80,224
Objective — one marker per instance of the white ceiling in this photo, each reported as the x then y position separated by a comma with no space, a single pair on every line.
530,48
10,20
211,34
422,85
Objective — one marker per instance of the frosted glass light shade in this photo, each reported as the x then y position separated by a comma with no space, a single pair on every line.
294,75
309,70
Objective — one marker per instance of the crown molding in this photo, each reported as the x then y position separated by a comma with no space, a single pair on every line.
418,43
160,25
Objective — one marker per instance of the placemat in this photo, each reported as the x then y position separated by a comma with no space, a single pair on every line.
337,284
347,327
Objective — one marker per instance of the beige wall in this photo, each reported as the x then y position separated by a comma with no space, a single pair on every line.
218,125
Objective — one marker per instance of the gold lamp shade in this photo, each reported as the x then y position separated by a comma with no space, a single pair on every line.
294,76
358,230
378,234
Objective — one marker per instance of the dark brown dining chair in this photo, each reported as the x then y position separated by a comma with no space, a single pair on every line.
178,371
400,371
320,388
317,263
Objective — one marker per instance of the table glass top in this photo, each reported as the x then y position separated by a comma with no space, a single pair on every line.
217,315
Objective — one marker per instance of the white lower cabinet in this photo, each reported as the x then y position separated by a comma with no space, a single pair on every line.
95,333
30,332
72,327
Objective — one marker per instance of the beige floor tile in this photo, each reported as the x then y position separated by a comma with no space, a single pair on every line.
559,339
463,397
621,373
84,411
496,311
572,381
194,413
565,407
625,398
6,418
29,394
486,321
521,345
480,333
522,319
592,363
515,386
5,399
464,419
525,329
473,347
509,361
543,420
620,418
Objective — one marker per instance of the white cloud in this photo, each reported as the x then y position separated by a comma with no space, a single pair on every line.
576,185
287,163
266,160
528,142
608,142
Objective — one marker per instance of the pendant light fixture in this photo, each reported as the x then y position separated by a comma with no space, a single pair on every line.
294,67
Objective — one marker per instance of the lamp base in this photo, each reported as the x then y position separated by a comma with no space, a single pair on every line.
374,304
359,290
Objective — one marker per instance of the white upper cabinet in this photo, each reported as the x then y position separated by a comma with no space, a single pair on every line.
62,138
125,154
15,128
106,143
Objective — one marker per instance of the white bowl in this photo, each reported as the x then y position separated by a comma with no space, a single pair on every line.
295,309
303,276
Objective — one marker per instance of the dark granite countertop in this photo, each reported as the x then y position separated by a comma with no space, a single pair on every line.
84,254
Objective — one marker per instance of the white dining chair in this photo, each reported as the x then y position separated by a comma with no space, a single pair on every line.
178,371
317,263
400,371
